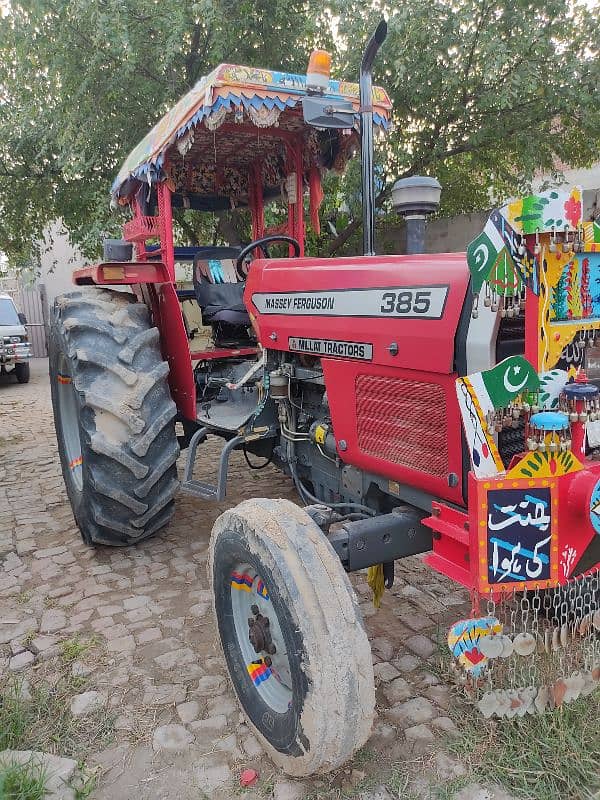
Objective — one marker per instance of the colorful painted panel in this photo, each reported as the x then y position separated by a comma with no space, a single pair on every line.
551,385
545,465
576,294
508,239
498,256
546,211
569,305
517,534
591,236
485,458
464,641
595,508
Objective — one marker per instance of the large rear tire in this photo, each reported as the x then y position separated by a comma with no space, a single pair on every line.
296,650
114,416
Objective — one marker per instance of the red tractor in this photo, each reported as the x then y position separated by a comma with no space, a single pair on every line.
350,374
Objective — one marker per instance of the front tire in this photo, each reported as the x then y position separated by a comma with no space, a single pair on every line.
22,372
114,416
296,650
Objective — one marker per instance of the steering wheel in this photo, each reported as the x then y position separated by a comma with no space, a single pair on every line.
263,245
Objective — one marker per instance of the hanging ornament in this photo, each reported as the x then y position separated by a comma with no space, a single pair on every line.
487,300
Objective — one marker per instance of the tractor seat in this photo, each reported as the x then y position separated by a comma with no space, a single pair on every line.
220,294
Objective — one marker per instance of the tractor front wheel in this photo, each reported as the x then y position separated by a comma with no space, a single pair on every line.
296,650
114,416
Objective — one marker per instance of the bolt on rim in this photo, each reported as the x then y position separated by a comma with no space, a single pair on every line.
260,639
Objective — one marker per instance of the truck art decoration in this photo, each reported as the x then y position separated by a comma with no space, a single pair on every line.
533,523
352,376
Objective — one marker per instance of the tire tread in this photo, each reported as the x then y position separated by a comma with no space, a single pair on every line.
118,373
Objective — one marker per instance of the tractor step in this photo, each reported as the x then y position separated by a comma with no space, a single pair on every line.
451,543
202,489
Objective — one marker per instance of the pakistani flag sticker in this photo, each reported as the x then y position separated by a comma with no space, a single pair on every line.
508,379
482,254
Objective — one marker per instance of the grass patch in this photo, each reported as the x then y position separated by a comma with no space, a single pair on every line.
552,756
29,637
84,784
449,789
22,781
44,721
72,649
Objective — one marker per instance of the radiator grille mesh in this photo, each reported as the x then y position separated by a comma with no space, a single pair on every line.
403,422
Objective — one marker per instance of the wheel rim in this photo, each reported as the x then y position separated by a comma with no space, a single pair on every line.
260,639
69,421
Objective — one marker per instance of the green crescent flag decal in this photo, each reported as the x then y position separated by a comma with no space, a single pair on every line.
508,379
482,254
481,257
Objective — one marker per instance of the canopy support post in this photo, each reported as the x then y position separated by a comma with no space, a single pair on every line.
256,198
165,214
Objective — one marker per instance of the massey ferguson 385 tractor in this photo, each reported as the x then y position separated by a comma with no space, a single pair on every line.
437,404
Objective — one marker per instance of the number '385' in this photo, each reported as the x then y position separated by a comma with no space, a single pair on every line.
406,302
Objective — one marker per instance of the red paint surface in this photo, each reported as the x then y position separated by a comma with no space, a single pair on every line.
167,316
134,272
422,343
425,352
213,353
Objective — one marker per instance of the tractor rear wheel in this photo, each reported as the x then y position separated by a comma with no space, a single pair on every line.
114,416
296,650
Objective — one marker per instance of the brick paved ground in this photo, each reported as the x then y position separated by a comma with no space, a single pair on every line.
156,661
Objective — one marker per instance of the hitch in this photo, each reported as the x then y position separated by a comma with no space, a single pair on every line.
381,540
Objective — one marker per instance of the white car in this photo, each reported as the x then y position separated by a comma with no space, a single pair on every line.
15,350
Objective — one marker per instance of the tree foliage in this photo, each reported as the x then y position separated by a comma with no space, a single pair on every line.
83,80
486,93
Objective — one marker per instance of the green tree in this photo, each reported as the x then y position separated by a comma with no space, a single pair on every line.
486,92
81,81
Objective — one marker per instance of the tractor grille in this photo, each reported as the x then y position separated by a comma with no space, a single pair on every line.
403,422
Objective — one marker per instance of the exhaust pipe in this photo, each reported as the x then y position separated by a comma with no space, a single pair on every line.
366,137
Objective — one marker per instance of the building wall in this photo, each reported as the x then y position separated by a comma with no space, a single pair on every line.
57,262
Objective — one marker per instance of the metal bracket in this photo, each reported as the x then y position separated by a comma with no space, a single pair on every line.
381,539
201,489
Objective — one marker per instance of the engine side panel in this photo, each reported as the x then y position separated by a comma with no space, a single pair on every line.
392,399
401,424
406,308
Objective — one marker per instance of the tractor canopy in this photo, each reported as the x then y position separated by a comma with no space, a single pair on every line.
241,130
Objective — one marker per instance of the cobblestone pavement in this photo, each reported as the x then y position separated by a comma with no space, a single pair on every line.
155,664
